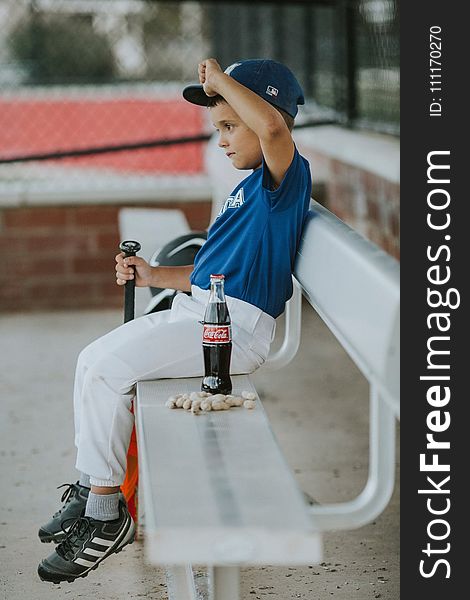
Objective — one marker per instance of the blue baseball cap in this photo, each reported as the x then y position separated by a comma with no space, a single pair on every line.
271,80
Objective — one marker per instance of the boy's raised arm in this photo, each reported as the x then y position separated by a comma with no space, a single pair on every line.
262,118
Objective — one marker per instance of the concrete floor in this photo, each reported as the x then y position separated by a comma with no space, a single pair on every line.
319,411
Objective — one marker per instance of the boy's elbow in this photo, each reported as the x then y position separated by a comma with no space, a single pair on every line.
274,127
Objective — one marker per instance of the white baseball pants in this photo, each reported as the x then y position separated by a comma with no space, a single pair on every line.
160,345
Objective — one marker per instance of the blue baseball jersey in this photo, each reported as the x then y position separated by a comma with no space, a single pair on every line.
254,239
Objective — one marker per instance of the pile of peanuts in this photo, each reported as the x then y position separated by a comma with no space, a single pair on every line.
198,402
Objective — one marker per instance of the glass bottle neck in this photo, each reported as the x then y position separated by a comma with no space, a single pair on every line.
217,291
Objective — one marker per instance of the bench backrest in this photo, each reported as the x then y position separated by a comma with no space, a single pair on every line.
354,287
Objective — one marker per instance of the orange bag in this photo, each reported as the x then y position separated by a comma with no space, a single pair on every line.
130,484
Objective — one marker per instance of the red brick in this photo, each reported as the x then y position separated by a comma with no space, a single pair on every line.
107,242
373,212
373,234
342,205
388,244
33,267
392,191
12,244
35,217
336,168
64,243
197,214
14,304
371,183
59,295
107,287
96,215
108,301
395,224
11,293
43,293
87,265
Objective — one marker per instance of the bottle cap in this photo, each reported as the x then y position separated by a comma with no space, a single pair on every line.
217,276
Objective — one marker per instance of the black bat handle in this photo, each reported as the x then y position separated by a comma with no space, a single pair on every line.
130,248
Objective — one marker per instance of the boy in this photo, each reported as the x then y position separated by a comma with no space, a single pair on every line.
253,242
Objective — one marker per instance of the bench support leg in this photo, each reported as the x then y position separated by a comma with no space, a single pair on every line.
379,487
293,327
225,583
180,583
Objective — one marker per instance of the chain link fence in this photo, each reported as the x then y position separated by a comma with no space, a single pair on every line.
345,53
89,88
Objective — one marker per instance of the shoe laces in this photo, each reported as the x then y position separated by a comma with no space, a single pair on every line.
71,491
80,531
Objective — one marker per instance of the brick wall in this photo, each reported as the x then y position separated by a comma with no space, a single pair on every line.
370,204
368,201
62,257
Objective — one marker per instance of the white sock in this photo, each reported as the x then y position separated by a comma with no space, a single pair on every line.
84,480
102,507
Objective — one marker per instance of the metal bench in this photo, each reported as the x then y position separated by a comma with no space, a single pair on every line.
215,490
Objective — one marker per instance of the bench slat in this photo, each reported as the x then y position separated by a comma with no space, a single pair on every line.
216,487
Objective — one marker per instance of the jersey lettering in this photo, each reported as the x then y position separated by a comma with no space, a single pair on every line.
233,202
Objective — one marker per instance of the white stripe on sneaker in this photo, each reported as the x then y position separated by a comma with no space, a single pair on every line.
102,542
93,552
84,563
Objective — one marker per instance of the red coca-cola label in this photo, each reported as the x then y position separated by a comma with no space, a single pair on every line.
216,334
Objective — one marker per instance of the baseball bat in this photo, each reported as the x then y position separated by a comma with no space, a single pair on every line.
130,248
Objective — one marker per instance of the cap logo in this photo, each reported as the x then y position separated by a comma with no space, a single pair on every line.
272,91
229,69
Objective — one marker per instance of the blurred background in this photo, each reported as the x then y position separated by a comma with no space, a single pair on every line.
95,136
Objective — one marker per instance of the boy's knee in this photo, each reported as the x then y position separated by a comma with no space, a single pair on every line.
87,356
109,373
82,359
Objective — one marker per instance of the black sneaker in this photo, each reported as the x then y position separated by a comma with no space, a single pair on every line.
74,498
87,543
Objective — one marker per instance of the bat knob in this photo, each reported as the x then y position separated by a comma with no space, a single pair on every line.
130,247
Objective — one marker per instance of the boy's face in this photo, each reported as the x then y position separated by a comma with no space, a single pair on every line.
240,143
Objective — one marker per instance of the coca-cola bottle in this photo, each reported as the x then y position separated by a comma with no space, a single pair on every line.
217,341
